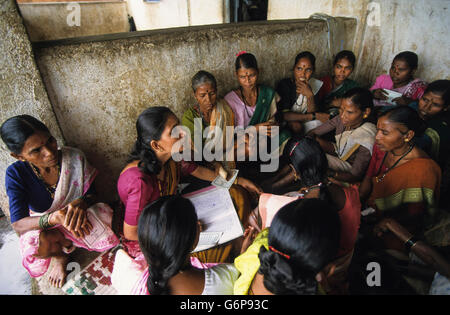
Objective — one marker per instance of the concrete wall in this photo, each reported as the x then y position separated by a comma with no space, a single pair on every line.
21,87
48,21
385,28
99,88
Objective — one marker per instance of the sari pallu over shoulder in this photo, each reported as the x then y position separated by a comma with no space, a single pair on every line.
76,177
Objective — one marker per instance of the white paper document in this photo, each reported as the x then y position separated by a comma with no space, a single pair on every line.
391,95
220,221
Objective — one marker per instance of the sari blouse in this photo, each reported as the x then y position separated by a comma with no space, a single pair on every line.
27,192
416,181
413,90
137,189
360,158
326,93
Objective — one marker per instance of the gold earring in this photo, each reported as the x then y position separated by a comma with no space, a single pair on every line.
406,140
365,116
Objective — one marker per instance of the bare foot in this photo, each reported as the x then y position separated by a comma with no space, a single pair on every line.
58,274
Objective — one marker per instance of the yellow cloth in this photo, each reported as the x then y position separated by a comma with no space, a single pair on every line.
248,263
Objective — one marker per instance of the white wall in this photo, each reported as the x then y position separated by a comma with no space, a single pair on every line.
175,13
385,28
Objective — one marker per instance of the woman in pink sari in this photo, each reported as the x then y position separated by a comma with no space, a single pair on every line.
399,86
52,199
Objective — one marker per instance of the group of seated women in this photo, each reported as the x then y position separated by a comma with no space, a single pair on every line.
342,149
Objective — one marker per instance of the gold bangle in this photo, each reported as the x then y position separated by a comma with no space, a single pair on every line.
236,181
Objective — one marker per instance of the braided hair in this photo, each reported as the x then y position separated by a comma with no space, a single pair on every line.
149,126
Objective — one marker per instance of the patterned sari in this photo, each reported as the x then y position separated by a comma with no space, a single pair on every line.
75,179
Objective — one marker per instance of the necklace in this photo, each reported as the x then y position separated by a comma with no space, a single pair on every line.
246,103
379,179
50,188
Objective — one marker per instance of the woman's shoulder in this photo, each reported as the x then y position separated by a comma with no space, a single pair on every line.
16,171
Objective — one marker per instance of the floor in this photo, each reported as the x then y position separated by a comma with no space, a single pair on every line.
14,279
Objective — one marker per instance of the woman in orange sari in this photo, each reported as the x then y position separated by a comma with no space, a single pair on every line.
402,181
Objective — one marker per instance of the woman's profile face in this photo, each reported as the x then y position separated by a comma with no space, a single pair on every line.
247,78
342,70
303,70
206,96
167,140
40,149
390,135
430,104
351,115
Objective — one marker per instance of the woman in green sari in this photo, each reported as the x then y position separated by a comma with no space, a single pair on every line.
254,104
334,86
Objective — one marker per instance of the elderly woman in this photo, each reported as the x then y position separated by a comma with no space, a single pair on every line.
209,112
402,181
350,155
52,199
151,173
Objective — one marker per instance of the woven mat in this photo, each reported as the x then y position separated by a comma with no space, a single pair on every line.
94,279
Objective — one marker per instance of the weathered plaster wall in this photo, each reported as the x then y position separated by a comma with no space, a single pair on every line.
48,21
385,28
99,88
21,87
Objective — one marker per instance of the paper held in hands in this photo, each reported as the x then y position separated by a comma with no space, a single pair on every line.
221,182
391,95
220,222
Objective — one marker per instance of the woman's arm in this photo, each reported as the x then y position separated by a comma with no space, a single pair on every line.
365,189
420,248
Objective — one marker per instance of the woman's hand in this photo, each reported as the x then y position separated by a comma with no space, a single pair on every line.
380,94
323,117
249,185
402,100
302,87
264,128
249,235
73,217
383,226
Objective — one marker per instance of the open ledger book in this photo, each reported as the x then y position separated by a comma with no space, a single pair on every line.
219,218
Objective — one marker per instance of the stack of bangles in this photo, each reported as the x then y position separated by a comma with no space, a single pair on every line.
44,221
409,244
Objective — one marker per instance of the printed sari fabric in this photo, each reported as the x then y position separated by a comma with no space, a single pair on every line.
222,117
413,90
264,110
76,177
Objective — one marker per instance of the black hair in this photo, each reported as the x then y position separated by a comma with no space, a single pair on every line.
308,230
409,57
345,54
247,61
308,55
149,126
16,130
203,77
442,88
408,117
360,97
308,159
167,230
